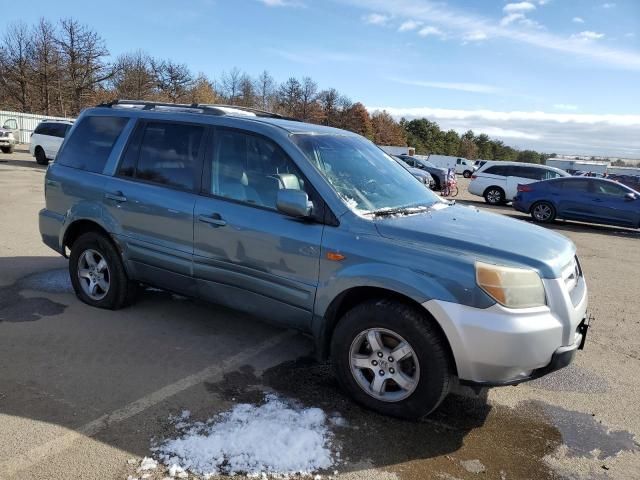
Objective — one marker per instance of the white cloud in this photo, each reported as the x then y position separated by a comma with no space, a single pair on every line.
629,34
543,2
519,7
512,17
577,20
409,25
460,86
282,3
376,19
613,135
588,35
565,106
608,5
476,36
429,30
470,27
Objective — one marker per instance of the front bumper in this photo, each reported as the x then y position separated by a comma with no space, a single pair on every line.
502,346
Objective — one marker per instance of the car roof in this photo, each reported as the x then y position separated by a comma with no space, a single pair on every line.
70,122
490,163
206,113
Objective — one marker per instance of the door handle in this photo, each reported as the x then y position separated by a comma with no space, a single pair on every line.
116,197
215,220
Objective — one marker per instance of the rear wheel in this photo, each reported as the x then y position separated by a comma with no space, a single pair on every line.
7,149
494,196
97,273
543,212
389,358
41,158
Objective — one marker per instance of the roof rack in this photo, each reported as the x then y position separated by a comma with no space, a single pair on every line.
202,108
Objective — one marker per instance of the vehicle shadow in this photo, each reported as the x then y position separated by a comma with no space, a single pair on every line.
23,163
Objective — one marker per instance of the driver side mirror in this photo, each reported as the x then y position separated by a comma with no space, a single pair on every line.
294,203
630,196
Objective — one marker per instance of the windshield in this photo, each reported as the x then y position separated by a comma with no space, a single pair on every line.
367,179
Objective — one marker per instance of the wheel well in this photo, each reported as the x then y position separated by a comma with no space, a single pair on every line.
80,227
357,295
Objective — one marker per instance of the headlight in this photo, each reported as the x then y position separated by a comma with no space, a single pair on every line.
511,287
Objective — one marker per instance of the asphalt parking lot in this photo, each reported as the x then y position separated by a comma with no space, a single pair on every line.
84,391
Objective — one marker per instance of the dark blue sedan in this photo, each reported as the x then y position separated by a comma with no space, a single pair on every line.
585,199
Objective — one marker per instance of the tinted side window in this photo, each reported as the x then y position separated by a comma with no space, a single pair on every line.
90,145
251,169
574,185
41,128
169,154
58,129
498,170
606,188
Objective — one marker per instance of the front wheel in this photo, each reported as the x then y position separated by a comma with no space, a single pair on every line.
466,174
389,358
7,149
543,212
97,273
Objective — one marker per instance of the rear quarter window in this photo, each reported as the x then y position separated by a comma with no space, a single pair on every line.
91,143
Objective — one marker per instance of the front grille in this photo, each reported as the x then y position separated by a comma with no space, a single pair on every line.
570,274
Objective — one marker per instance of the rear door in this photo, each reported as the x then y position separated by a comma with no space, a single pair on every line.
151,198
248,255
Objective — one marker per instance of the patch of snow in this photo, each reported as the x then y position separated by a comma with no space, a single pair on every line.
177,471
275,438
147,464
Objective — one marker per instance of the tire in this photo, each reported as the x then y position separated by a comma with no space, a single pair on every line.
7,149
466,174
426,371
119,291
436,184
494,196
41,158
543,212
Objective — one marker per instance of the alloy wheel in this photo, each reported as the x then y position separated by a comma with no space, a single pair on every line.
384,364
94,274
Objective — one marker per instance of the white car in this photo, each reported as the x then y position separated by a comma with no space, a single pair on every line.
9,135
47,138
498,181
462,166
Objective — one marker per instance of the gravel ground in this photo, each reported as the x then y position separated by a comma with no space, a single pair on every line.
84,392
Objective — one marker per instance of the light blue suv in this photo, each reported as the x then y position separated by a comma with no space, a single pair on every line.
316,229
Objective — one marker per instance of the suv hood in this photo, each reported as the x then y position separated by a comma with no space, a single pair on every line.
482,235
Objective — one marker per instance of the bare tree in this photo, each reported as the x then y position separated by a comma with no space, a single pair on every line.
289,97
308,95
231,85
328,100
83,54
46,63
247,92
134,77
174,79
265,88
16,54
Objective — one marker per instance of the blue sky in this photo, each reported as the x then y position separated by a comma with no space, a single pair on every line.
556,75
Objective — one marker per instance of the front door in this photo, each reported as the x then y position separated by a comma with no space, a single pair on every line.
610,204
247,255
151,199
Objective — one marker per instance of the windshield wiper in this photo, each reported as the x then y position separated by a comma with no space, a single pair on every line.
406,210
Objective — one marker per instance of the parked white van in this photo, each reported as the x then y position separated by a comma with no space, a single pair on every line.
47,138
461,165
498,181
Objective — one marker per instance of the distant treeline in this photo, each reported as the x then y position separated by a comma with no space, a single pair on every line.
60,68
